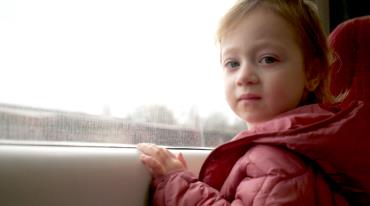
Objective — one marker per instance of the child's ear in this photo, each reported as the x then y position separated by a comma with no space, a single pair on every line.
312,84
312,78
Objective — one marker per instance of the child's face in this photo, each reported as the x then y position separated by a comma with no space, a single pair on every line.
263,67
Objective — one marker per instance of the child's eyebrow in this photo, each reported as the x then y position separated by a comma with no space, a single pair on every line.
260,44
257,45
229,50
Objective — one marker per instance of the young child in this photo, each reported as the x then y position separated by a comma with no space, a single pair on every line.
296,151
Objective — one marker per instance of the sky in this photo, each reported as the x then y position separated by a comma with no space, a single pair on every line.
87,55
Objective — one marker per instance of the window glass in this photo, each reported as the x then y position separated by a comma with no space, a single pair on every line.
113,71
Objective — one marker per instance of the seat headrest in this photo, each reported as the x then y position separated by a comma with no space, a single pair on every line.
350,42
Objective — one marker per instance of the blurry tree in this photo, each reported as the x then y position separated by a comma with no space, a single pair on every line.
238,125
194,120
216,122
153,114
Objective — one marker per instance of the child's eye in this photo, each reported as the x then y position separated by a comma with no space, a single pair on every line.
268,60
232,64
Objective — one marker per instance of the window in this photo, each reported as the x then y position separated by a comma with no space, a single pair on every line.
113,71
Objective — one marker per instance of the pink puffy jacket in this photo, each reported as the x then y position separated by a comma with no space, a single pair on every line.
308,156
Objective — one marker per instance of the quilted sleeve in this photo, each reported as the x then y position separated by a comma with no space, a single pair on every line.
276,176
183,189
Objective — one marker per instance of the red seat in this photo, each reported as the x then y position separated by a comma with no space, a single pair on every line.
350,42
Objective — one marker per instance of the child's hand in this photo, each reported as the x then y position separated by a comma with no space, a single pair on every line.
159,160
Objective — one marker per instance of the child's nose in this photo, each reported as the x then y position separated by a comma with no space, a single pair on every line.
247,75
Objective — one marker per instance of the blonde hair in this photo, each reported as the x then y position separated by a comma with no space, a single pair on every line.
302,15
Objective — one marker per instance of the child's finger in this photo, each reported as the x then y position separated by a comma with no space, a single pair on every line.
155,151
154,166
146,148
181,158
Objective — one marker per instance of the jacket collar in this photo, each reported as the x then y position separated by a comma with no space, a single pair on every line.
298,132
298,117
